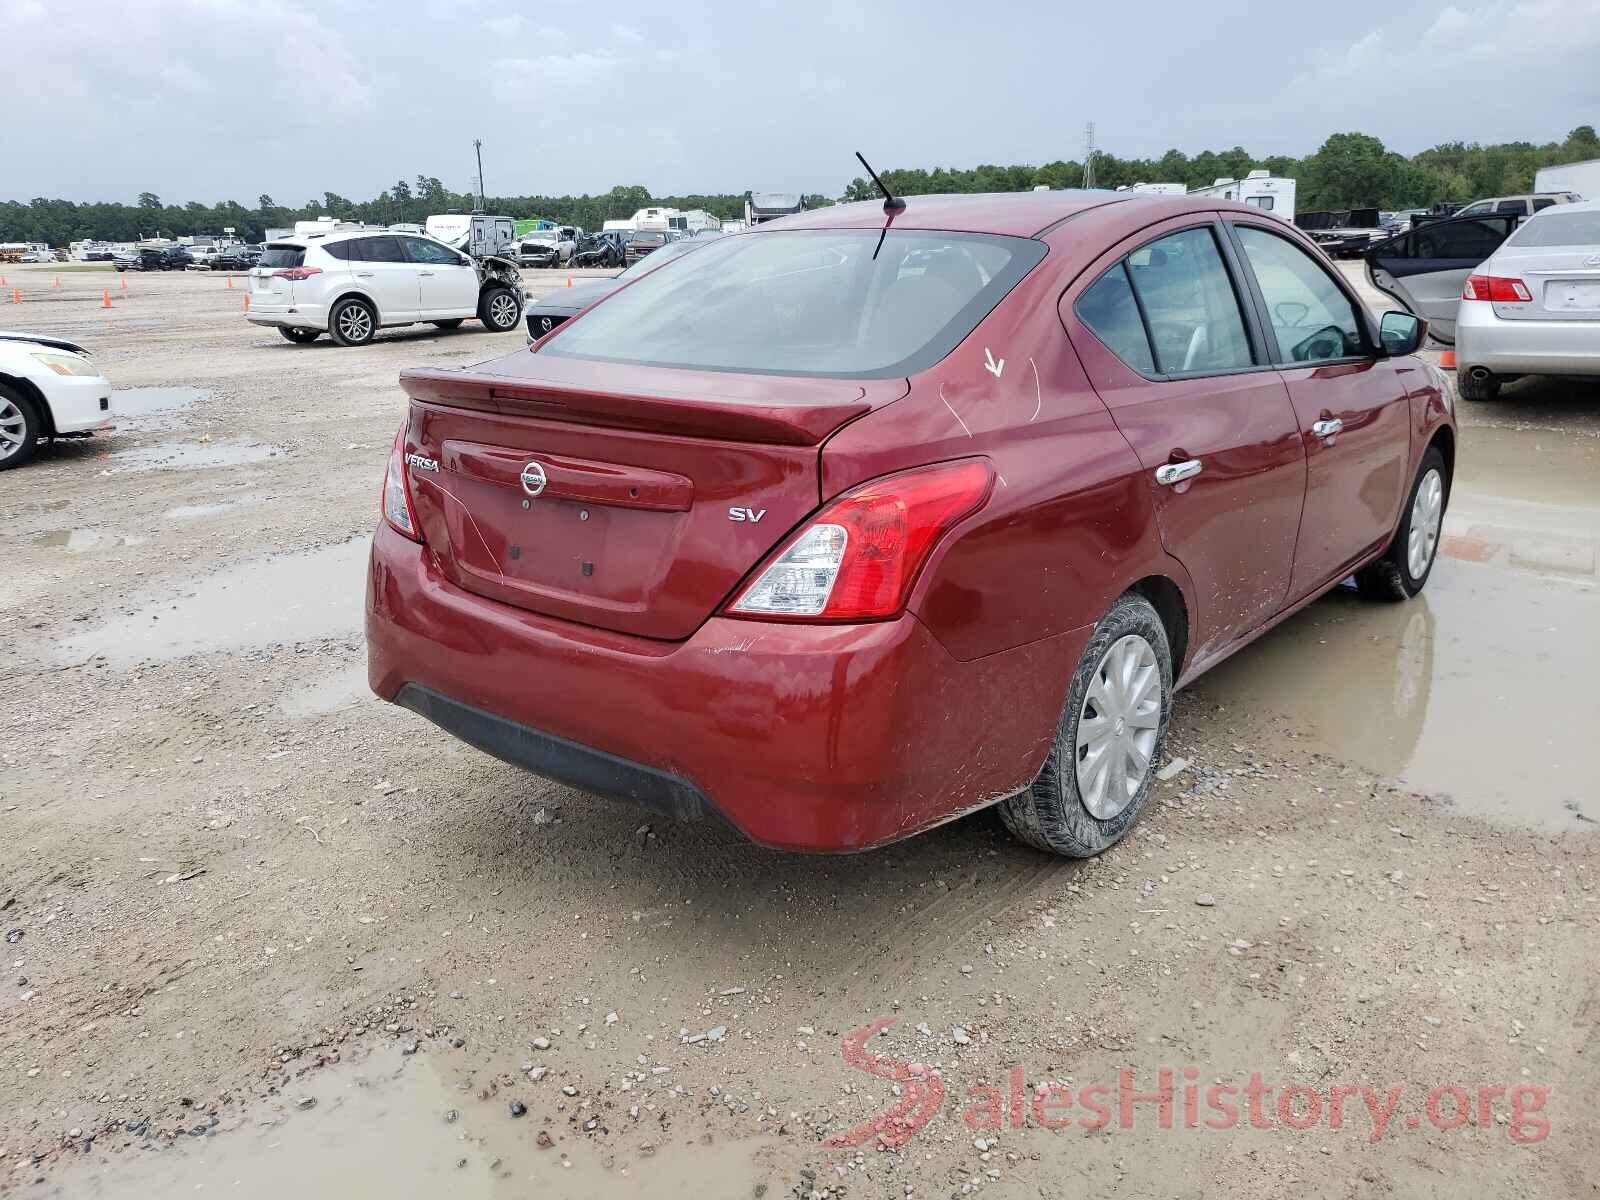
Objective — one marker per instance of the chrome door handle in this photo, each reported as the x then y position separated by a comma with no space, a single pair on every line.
1171,473
1326,429
363,274
424,272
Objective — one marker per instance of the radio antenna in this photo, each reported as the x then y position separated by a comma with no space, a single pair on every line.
891,202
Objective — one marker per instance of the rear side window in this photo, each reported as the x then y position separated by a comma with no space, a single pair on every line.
377,249
1189,303
1108,308
851,303
1541,205
282,256
339,250
1515,207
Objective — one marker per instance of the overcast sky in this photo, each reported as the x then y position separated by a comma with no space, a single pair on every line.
226,99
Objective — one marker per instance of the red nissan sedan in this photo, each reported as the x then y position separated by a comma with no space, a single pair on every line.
867,519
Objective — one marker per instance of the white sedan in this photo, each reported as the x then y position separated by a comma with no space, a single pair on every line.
48,389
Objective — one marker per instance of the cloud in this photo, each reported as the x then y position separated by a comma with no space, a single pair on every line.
523,78
625,33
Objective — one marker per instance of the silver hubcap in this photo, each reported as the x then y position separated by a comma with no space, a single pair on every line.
504,311
355,323
1117,726
1427,514
13,428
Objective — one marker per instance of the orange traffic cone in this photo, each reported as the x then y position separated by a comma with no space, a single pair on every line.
124,279
230,281
105,298
1447,360
16,295
569,280
57,282
2,281
247,302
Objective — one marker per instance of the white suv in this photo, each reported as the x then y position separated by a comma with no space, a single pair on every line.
351,282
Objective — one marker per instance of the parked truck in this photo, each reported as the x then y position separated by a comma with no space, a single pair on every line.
1580,177
760,207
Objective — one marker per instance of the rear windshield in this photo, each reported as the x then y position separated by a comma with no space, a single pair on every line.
1559,229
807,302
282,256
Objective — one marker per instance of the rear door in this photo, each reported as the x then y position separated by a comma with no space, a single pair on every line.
1163,334
388,276
447,281
1351,404
1426,268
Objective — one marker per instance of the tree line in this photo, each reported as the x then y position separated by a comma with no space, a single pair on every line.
1349,170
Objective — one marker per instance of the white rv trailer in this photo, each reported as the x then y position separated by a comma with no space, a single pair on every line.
761,207
1269,193
1157,189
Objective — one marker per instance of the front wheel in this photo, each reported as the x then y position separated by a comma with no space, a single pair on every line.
300,337
1407,563
498,309
19,428
1097,777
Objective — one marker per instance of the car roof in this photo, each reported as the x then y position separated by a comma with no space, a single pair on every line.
1020,214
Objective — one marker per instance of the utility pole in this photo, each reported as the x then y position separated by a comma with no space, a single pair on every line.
477,146
1088,155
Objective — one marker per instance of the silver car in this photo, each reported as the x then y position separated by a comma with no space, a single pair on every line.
1516,299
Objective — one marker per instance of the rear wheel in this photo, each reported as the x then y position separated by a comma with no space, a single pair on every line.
498,308
1097,776
352,323
452,323
1482,385
19,428
300,337
1407,563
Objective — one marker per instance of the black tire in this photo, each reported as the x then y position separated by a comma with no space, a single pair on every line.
1486,388
499,309
347,328
300,337
452,323
1390,578
1051,813
18,414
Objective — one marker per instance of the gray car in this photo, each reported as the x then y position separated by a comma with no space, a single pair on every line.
1516,299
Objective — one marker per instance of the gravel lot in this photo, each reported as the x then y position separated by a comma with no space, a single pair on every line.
266,933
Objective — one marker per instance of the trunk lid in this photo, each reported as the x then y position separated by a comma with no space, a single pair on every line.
1564,282
629,498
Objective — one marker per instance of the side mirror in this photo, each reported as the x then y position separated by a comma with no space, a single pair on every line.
1401,333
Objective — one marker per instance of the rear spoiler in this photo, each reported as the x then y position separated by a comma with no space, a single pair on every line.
799,421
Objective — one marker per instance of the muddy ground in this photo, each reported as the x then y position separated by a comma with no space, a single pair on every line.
269,936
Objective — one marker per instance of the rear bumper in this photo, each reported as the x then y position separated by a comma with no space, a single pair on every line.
811,737
1515,347
295,316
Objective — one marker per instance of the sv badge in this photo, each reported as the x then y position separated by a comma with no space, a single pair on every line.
746,514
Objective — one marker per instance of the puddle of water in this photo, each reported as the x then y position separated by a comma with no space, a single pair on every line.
190,456
330,693
196,512
292,598
1482,688
378,1131
154,409
70,539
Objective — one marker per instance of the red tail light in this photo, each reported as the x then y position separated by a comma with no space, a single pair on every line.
857,559
1498,288
396,503
298,272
